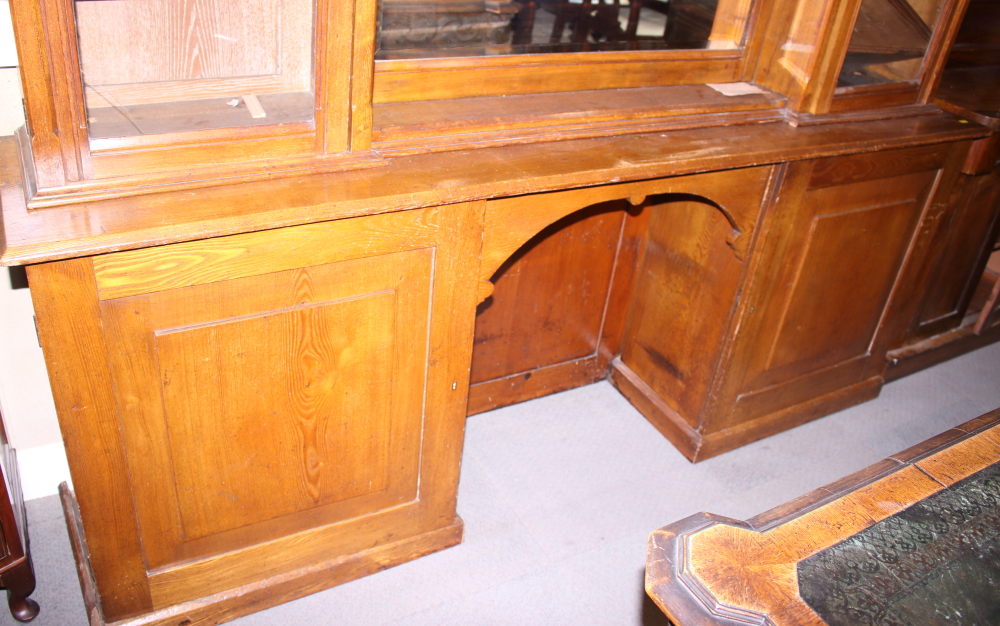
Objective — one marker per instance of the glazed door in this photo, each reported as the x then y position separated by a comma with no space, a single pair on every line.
283,398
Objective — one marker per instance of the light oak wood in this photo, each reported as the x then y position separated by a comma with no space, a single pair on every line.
352,444
973,217
61,152
800,346
71,337
437,79
433,179
177,50
230,604
688,282
556,317
738,275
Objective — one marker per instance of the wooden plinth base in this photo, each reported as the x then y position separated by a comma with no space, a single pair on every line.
501,392
697,446
253,597
938,349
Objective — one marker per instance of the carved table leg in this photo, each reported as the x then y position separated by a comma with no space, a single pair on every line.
20,582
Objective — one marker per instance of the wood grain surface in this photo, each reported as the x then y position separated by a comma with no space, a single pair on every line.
428,180
707,569
326,392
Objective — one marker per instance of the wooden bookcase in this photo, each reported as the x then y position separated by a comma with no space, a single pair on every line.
264,336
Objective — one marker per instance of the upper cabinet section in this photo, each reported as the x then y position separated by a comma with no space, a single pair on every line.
896,52
159,66
845,55
125,97
133,96
889,41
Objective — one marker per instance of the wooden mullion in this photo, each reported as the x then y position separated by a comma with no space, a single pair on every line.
363,74
67,88
753,36
334,29
40,105
939,47
832,46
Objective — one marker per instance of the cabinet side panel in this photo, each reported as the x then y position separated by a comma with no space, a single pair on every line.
959,262
268,405
687,284
685,291
65,298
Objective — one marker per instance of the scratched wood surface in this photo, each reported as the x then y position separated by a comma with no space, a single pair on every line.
707,569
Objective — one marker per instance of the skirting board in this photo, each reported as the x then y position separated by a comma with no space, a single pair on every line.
42,469
256,596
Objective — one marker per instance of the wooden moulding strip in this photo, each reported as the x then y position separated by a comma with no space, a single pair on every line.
432,180
523,386
442,79
582,130
408,120
123,187
938,349
432,126
257,596
698,446
668,421
914,455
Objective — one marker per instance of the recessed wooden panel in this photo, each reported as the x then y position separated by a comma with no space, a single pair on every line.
138,51
316,432
832,282
177,39
820,324
958,257
265,405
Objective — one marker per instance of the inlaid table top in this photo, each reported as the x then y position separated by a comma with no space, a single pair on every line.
912,540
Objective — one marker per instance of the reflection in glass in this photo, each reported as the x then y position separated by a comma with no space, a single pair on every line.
889,41
159,66
451,28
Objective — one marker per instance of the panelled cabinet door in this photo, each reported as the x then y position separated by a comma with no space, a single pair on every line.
963,246
840,234
283,398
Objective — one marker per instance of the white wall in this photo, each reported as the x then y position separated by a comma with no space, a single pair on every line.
25,398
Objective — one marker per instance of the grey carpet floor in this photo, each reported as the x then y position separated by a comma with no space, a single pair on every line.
559,494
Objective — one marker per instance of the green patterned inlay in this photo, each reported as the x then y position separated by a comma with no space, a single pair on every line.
937,562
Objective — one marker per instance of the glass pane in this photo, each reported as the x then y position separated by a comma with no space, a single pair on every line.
889,41
971,79
159,66
450,28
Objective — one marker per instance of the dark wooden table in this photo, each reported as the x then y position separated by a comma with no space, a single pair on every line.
913,539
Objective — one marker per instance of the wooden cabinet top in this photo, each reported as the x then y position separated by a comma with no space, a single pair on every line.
83,229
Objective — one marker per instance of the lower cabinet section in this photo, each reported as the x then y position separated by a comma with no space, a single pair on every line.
242,410
255,417
718,353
